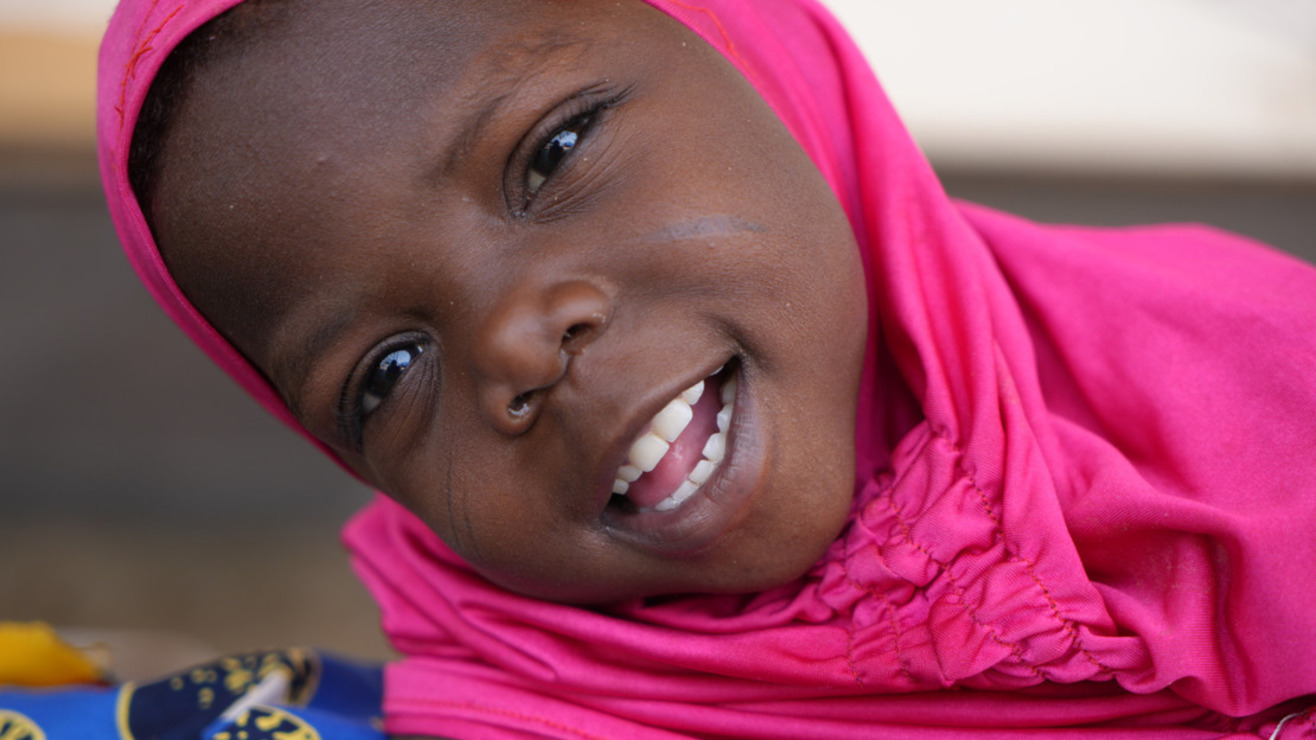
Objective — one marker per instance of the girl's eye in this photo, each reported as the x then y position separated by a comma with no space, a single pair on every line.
384,374
553,151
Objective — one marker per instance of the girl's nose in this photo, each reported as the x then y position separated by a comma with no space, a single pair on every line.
525,347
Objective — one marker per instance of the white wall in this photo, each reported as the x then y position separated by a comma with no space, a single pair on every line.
78,16
1181,86
1164,86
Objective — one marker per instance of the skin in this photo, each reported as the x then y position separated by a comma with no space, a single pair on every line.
344,187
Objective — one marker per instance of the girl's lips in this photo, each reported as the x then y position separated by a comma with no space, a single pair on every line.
671,518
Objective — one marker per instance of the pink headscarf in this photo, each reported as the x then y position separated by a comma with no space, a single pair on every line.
1086,480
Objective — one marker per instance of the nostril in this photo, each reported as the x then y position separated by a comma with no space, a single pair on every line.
527,344
575,335
519,406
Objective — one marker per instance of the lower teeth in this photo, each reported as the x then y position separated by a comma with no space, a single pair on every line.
713,452
683,492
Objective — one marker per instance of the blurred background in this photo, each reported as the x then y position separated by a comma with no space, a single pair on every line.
144,498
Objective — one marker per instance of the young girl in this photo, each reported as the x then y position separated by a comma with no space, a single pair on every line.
697,406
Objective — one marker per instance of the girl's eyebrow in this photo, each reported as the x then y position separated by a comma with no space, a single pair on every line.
293,369
470,133
508,81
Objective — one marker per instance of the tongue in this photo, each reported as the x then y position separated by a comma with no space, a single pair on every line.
686,452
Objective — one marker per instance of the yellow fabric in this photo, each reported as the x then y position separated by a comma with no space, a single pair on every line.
32,654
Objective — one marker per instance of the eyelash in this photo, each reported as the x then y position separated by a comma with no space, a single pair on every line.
354,409
561,144
580,116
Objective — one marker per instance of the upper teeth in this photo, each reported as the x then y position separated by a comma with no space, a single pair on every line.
667,425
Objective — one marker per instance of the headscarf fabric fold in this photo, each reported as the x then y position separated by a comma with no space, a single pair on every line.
1085,488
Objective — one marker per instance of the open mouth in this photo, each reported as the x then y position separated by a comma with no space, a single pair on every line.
681,449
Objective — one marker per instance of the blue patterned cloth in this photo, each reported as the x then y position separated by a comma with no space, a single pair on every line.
293,694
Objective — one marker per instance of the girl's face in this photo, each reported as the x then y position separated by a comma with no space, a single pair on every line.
478,246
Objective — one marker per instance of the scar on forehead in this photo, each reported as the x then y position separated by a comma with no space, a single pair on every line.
704,226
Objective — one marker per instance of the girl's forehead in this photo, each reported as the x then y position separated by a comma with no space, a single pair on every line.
348,76
343,69
412,36
342,78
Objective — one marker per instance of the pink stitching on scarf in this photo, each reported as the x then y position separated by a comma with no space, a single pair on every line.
959,465
1015,648
896,634
143,48
501,713
896,631
849,655
1066,624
